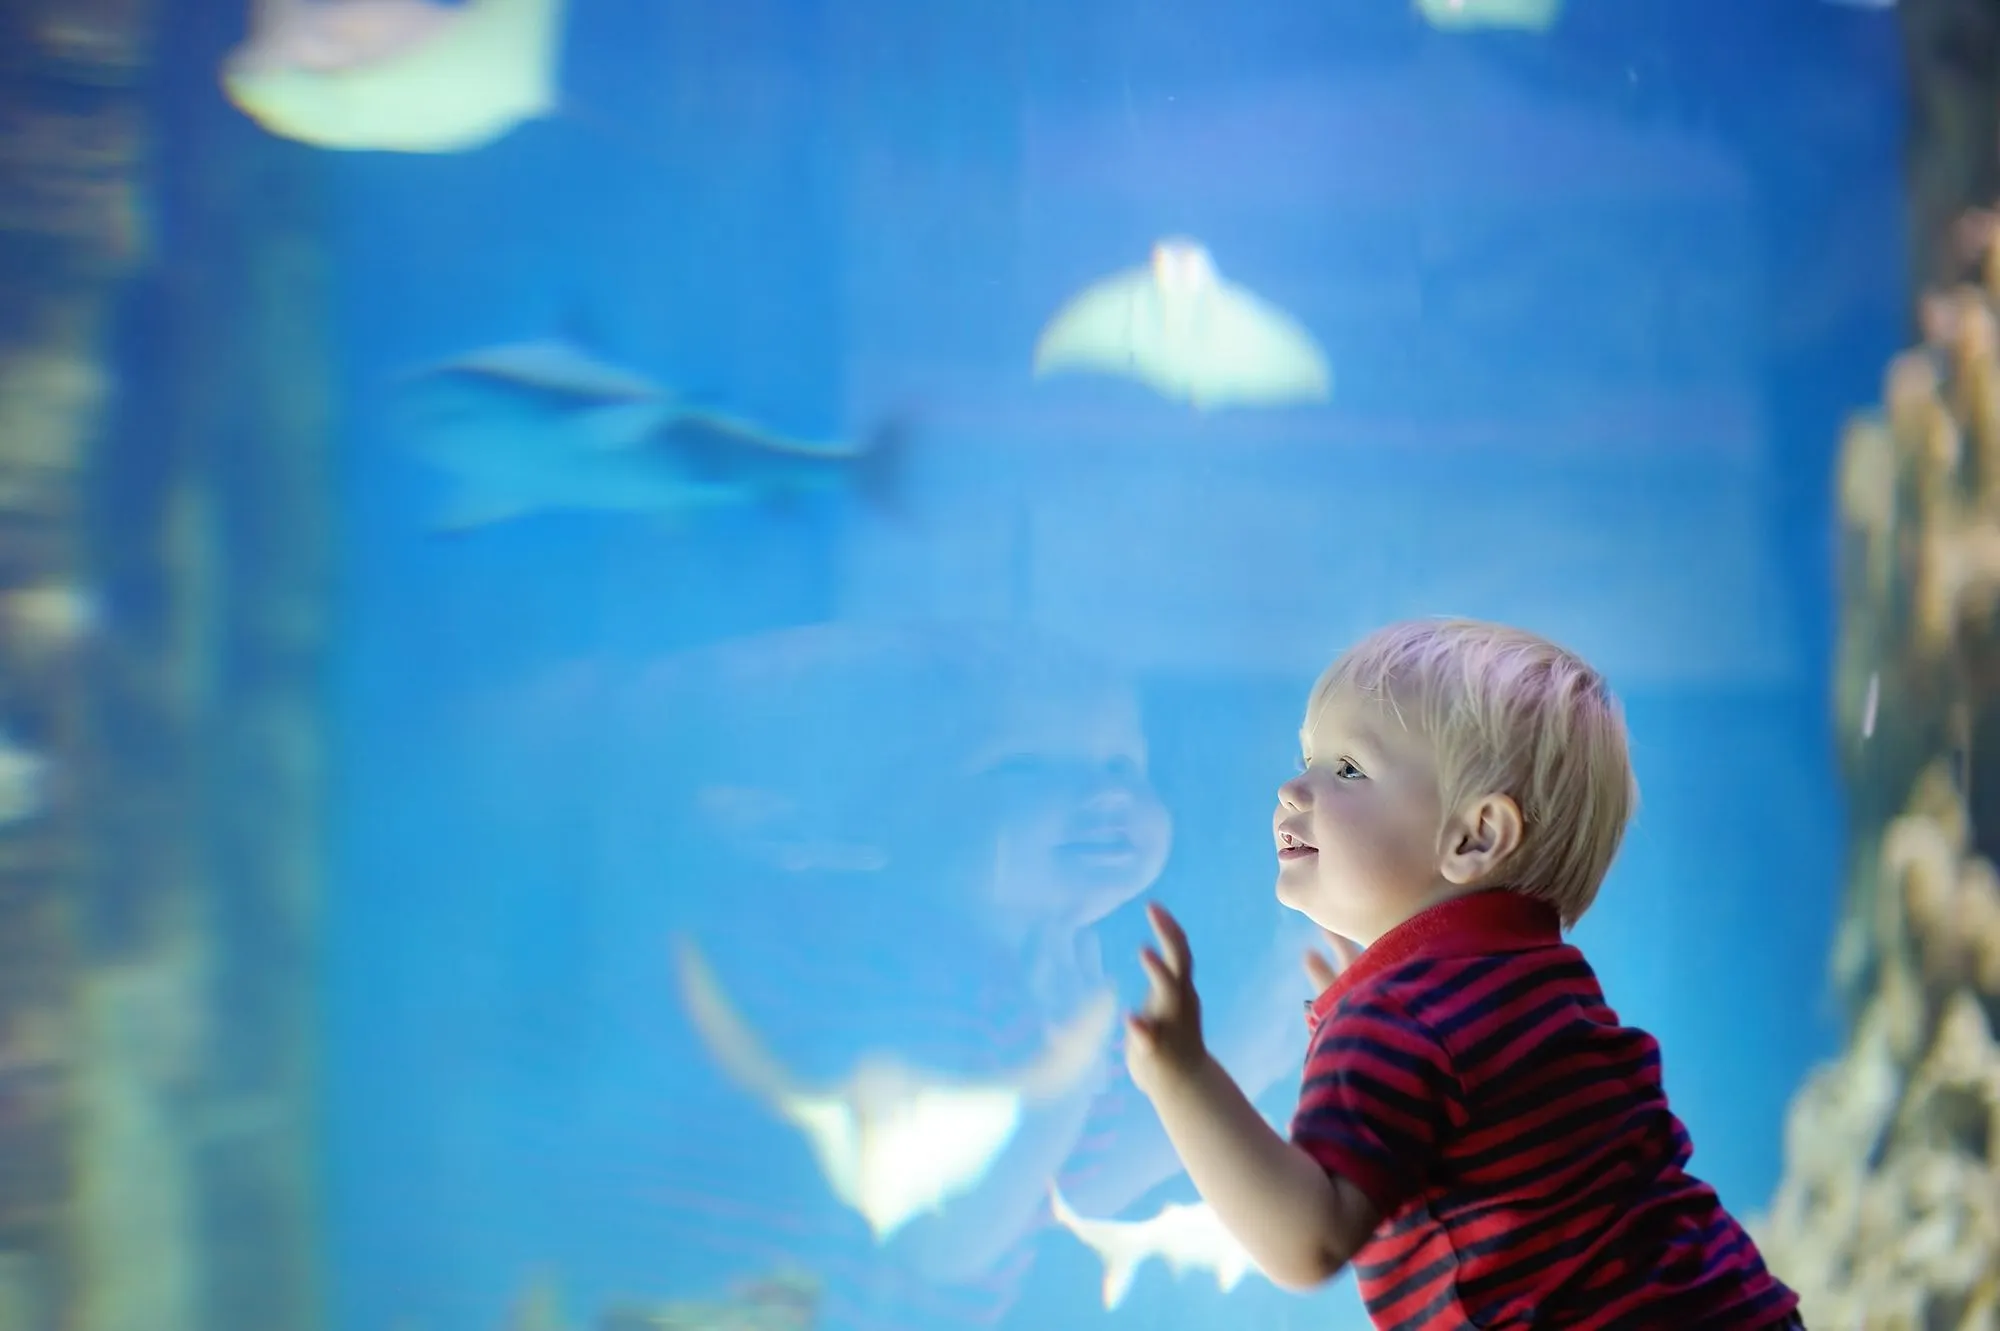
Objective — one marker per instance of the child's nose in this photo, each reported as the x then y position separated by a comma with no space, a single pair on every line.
1111,797
1293,794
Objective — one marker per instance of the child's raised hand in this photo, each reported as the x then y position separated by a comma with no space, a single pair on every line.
1165,1037
1323,972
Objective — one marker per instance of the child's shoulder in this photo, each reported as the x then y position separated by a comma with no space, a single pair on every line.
1447,990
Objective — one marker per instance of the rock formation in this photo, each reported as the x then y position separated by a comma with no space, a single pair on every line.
1888,1216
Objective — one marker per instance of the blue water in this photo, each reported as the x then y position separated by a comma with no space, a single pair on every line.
1596,302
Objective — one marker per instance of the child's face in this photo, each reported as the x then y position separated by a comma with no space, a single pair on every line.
1080,829
1358,828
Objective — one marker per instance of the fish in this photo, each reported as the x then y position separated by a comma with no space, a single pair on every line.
893,1142
408,76
551,364
747,459
542,426
1178,327
1524,15
1187,1237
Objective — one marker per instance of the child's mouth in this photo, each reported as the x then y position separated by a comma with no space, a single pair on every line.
1296,852
1108,847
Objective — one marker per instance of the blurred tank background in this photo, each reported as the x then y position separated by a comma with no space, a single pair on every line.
165,425
607,609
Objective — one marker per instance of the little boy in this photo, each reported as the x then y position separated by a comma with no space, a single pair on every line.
1475,1132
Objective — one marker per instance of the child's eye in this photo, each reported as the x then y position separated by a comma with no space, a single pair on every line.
1347,771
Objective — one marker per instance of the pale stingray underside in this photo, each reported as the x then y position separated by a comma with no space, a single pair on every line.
427,83
1216,346
894,1143
1187,1237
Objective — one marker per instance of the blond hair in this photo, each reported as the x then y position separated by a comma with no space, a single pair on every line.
1509,713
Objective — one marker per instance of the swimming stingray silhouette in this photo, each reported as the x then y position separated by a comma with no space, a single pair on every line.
397,75
893,1142
1178,327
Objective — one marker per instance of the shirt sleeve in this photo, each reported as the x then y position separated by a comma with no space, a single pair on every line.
1376,1100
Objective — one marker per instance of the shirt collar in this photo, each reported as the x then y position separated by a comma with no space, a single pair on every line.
1495,920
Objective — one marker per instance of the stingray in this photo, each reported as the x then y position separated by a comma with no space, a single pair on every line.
397,75
1178,327
895,1143
538,426
1185,1237
337,34
1526,15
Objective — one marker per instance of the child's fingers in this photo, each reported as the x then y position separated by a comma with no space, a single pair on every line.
1319,970
1173,940
1345,950
1166,987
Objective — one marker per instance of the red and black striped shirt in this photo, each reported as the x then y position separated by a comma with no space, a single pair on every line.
1467,1075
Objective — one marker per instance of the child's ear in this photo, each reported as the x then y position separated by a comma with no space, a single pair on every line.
1480,839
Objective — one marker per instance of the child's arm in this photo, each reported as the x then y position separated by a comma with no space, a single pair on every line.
1298,1221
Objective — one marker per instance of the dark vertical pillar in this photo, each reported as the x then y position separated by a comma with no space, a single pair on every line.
219,492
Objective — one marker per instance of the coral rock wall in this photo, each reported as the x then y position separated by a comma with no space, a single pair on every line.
72,143
1888,1217
164,443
